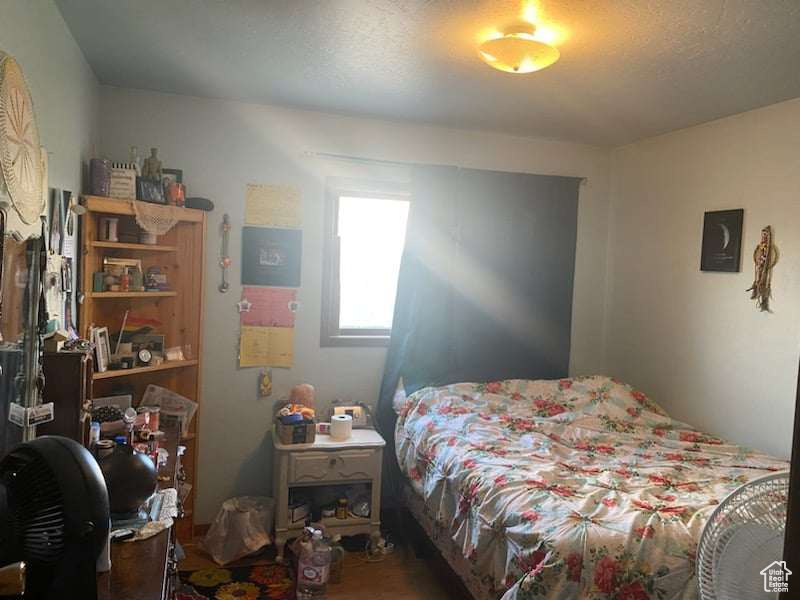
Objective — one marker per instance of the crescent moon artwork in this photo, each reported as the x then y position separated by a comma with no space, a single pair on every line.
722,241
726,235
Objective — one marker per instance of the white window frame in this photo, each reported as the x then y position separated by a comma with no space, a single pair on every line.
330,332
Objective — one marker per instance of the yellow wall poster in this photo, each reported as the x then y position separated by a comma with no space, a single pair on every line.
266,347
272,206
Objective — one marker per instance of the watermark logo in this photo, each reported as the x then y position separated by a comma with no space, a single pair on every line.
776,577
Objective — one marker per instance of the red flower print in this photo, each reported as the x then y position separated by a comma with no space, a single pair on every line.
660,480
665,497
645,532
564,384
562,490
500,480
494,387
604,449
452,441
673,456
605,574
632,591
516,396
422,410
624,472
443,410
555,409
470,463
700,462
530,515
430,426
643,505
672,510
415,474
639,397
690,436
659,431
533,564
574,567
609,502
632,411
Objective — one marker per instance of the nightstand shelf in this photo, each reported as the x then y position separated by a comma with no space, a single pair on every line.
324,463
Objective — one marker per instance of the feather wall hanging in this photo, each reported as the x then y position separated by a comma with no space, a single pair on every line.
764,257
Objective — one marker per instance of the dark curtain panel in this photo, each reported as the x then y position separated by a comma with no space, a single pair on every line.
485,284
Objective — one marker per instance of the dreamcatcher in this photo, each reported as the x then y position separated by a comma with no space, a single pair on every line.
765,256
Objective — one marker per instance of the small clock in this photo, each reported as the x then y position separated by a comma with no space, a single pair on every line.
145,356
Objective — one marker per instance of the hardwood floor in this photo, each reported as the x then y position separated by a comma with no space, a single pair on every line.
400,576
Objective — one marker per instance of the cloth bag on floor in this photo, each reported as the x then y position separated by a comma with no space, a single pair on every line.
242,527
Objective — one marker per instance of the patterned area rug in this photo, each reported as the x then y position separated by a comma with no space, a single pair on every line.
260,582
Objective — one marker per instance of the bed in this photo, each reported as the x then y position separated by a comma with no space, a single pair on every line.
571,488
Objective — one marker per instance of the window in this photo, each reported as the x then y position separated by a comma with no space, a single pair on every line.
365,233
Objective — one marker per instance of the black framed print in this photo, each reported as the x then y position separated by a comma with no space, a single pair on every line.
722,241
271,256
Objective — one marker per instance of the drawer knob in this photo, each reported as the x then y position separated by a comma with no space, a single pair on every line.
332,462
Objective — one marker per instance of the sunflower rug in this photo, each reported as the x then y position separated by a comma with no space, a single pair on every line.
260,582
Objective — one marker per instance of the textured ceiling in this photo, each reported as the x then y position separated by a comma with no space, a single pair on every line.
629,68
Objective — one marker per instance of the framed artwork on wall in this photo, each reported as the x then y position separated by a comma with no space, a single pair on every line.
271,256
722,241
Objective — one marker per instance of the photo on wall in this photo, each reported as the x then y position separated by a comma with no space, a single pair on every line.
722,241
271,256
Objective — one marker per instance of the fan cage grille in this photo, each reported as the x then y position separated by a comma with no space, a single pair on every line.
37,509
762,501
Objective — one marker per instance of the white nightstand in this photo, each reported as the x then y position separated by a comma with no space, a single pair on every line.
326,462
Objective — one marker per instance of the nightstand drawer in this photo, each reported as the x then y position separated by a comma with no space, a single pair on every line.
348,465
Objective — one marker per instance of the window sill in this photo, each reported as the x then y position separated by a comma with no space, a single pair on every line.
366,341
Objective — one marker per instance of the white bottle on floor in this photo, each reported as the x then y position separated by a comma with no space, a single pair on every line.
313,568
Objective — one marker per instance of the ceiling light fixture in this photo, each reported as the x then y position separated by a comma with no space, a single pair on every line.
516,50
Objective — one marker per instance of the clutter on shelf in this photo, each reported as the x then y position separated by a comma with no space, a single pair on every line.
295,422
137,179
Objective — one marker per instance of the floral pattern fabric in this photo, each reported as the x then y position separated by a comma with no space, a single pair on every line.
571,488
260,582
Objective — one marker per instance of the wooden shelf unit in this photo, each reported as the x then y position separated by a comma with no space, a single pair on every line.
131,246
175,364
132,294
181,255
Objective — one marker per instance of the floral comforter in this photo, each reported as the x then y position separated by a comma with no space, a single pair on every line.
572,488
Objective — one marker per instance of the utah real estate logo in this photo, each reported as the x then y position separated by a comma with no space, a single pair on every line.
776,577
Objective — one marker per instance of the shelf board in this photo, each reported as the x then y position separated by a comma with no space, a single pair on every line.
333,522
131,294
174,364
139,247
119,206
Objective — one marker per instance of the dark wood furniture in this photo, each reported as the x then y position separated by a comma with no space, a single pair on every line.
68,385
145,570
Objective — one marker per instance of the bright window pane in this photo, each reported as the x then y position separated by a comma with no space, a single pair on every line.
371,236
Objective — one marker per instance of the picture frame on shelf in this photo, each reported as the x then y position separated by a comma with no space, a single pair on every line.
102,348
171,176
150,190
154,342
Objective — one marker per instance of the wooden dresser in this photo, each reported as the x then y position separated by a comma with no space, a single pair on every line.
145,570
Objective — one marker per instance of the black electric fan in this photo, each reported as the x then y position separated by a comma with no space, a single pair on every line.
54,516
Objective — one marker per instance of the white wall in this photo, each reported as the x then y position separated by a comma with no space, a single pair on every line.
695,341
63,87
223,145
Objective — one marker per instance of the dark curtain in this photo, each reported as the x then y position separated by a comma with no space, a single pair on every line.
485,284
